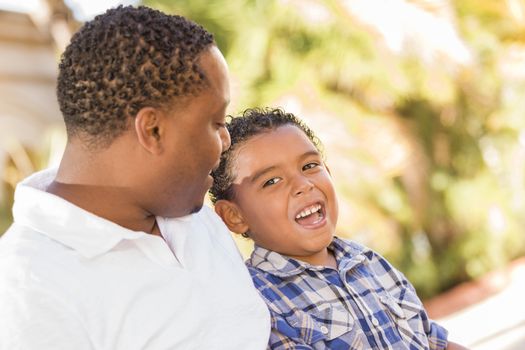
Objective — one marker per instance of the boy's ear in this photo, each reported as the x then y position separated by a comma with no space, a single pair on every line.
150,129
231,215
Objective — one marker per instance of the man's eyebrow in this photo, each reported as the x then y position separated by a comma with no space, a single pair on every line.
261,173
220,108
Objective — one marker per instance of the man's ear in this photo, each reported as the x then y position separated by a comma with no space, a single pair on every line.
231,215
150,129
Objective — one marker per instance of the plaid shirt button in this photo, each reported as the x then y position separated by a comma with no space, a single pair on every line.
375,322
324,329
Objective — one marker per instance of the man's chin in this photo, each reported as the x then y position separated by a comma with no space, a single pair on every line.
196,209
181,212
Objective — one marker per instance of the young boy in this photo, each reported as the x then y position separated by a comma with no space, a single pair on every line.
323,292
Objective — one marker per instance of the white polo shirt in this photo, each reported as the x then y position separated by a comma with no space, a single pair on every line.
71,280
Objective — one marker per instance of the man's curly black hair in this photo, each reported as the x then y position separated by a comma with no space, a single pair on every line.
252,122
123,60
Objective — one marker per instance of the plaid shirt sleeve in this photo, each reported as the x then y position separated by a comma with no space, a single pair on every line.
405,292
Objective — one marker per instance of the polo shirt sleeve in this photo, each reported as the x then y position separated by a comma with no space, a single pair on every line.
33,319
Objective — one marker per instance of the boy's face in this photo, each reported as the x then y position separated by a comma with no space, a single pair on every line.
284,194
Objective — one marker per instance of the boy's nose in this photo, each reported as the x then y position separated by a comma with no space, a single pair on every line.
225,138
302,185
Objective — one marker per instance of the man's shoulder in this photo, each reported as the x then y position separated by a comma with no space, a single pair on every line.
205,230
208,215
27,255
22,241
215,227
205,215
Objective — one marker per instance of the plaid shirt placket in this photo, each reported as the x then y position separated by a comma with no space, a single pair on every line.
367,286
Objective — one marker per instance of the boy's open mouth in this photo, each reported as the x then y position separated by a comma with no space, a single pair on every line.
311,215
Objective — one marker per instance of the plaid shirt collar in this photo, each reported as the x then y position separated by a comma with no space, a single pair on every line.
283,266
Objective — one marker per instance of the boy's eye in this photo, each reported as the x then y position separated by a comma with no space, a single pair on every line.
272,181
310,165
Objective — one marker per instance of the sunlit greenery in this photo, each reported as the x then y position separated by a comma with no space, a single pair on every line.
426,153
427,148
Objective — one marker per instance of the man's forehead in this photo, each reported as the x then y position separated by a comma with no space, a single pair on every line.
215,69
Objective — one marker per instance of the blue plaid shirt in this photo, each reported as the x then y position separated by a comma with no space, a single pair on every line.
364,304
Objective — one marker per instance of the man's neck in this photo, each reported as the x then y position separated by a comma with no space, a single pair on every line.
101,181
111,203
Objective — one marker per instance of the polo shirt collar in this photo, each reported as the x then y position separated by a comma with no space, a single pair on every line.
347,255
63,221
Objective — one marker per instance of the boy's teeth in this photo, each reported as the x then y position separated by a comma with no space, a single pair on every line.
308,211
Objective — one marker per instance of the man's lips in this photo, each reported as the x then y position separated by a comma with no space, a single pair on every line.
215,167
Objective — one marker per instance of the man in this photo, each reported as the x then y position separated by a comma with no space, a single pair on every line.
114,250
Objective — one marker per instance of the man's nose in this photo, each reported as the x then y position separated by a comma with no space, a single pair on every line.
225,138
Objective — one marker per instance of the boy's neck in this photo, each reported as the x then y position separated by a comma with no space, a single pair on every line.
331,261
325,258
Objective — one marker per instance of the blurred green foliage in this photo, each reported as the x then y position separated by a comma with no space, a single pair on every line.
428,155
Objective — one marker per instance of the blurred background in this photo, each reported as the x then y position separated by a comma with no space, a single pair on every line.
419,105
